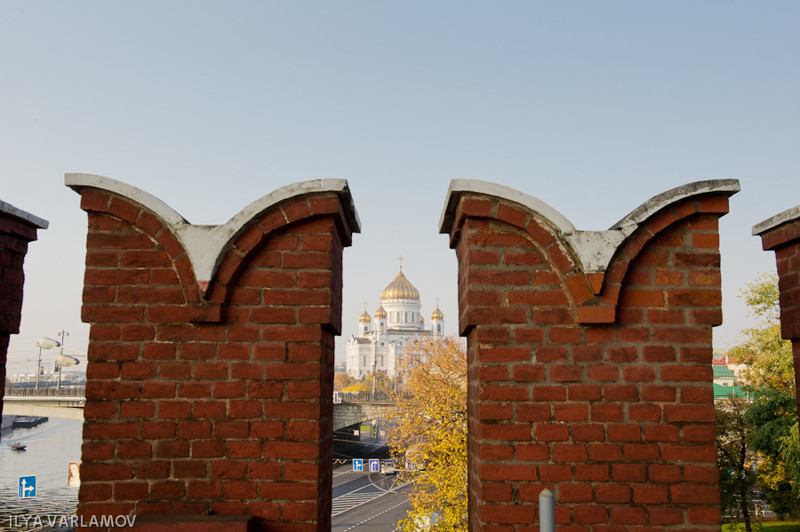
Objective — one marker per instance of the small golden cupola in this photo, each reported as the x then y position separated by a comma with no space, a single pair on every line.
380,313
363,322
437,314
400,288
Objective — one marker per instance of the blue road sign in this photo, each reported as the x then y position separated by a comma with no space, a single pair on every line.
27,487
374,465
358,464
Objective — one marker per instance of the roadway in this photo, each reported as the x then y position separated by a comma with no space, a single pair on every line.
367,502
363,501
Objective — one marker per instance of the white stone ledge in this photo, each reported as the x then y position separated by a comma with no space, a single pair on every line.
789,215
39,223
594,249
206,245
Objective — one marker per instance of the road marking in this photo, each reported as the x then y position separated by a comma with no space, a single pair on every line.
376,515
350,480
348,502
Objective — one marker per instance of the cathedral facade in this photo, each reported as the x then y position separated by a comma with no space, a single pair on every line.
378,344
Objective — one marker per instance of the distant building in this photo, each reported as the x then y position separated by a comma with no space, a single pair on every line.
724,376
381,338
727,377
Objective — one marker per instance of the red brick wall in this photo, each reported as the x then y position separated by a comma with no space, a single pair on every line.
15,233
598,386
219,404
783,237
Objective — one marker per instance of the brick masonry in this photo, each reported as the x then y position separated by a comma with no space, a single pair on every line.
212,393
17,229
781,234
594,382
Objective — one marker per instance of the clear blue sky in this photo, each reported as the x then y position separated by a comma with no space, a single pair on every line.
592,107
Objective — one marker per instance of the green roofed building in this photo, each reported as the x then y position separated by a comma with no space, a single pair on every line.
723,392
723,376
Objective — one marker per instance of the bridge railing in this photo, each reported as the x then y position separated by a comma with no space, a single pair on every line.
362,397
64,391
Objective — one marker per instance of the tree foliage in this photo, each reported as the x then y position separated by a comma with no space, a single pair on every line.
768,357
768,427
735,459
347,383
430,432
773,418
342,381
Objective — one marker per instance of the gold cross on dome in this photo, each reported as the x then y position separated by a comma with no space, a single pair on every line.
400,258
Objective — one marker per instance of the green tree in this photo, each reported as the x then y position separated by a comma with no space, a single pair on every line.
773,418
768,357
770,422
735,458
430,432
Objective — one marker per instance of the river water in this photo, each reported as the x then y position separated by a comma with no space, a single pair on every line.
51,446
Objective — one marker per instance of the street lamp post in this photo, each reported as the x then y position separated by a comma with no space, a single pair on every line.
62,359
44,343
60,356
39,368
374,363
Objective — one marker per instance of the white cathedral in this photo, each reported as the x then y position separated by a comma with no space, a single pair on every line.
397,321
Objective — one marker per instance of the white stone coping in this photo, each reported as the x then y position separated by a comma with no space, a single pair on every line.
206,244
10,210
594,249
788,215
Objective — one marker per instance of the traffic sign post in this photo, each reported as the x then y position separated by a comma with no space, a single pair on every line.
27,487
374,465
358,464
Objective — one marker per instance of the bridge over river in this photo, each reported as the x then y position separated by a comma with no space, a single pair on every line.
67,403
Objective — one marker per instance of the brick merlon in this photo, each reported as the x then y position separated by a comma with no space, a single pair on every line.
25,217
787,216
594,249
205,245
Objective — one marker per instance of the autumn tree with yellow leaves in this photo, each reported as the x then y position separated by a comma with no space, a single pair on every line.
429,432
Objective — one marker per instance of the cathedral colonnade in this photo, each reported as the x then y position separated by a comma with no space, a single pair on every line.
17,229
211,356
781,234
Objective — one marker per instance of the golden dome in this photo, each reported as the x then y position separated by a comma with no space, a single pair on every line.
400,288
380,313
437,314
364,318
